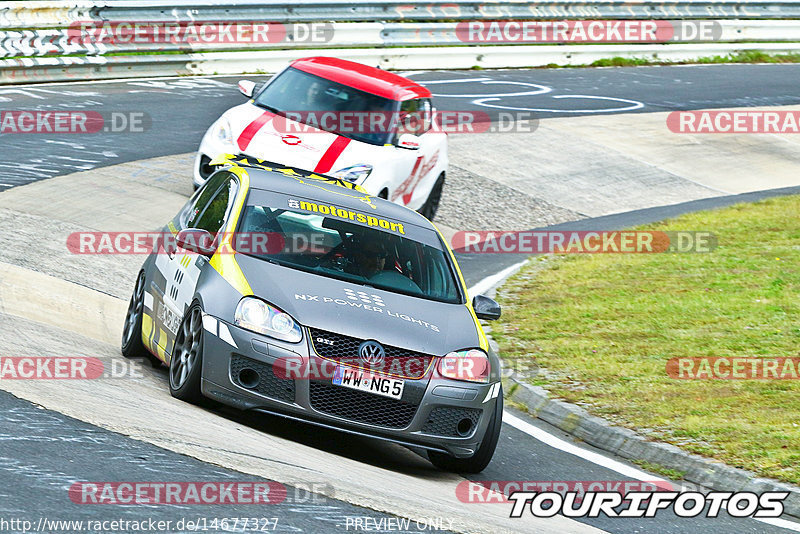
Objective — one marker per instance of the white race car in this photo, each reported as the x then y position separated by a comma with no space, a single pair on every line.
327,115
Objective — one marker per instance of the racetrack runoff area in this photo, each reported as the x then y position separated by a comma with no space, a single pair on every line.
573,167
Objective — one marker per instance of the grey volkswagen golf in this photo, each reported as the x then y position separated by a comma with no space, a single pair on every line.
297,294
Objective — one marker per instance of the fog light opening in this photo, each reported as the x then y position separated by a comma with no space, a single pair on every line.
249,378
464,427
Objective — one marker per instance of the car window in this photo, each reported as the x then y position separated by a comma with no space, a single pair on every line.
213,204
340,249
200,197
307,98
416,116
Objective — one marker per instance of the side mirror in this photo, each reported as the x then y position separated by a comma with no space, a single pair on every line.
196,240
408,141
486,308
247,88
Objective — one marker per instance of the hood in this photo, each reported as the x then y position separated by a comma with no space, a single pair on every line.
276,138
337,306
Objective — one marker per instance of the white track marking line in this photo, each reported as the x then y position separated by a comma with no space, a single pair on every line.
538,90
782,523
609,463
487,283
635,104
453,80
570,448
125,80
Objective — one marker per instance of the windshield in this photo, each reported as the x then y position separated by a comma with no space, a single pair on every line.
300,95
344,250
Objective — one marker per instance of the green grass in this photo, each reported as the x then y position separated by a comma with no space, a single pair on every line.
623,62
752,56
749,56
602,328
658,469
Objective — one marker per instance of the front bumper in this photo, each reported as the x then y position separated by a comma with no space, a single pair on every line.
244,370
210,148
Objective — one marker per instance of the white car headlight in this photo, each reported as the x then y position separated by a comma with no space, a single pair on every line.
354,173
470,365
224,132
258,316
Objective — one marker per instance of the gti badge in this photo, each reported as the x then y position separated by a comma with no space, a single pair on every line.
371,353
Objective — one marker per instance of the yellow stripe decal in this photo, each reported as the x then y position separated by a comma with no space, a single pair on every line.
162,340
225,264
249,161
484,343
147,331
224,261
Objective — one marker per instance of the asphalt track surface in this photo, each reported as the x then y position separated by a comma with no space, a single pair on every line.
176,112
43,452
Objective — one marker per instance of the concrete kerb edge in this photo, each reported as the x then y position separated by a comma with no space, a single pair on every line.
627,444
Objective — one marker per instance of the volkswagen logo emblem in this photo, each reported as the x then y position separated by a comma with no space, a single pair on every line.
371,353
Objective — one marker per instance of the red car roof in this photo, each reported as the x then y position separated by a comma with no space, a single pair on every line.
369,79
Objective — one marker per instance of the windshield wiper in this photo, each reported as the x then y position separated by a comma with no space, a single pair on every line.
269,108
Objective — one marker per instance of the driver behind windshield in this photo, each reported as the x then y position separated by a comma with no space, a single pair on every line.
312,100
368,255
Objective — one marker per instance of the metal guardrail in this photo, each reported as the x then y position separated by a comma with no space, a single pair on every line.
27,70
60,42
38,38
59,13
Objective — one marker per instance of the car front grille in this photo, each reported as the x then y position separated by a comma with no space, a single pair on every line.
398,362
363,407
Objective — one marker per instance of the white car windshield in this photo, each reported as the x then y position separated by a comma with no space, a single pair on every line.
336,248
306,98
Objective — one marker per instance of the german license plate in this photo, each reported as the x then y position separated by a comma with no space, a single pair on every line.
369,382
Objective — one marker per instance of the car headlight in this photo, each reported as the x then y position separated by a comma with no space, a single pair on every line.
224,132
471,365
354,173
256,315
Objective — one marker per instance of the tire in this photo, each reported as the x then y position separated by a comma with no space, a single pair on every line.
186,363
431,205
132,345
478,461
